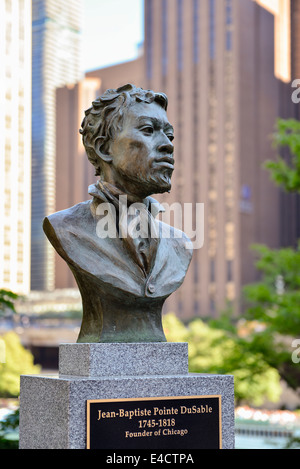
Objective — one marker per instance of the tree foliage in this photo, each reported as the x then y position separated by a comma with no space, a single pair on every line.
274,302
9,431
18,361
286,173
7,299
221,351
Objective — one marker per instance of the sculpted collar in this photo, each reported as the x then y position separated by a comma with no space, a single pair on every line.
104,192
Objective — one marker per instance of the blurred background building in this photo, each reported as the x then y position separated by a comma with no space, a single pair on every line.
15,145
56,53
226,67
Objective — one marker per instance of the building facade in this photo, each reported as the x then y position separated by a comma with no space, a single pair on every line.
217,62
56,61
15,145
227,82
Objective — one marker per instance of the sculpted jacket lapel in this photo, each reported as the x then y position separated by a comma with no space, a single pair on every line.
142,244
73,234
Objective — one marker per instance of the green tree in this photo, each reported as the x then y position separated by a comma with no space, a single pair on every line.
219,351
17,361
275,301
276,298
286,173
7,299
9,431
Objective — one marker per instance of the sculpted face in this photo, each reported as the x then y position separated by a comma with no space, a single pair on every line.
142,153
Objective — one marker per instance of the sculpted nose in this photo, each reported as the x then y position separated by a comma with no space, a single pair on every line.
166,147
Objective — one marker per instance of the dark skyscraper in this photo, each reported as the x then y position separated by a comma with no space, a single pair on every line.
56,39
225,66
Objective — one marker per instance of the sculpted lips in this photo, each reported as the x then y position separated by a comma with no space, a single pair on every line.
166,161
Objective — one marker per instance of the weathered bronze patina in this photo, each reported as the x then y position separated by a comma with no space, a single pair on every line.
125,262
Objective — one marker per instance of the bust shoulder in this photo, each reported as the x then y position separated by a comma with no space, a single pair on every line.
180,241
58,225
69,214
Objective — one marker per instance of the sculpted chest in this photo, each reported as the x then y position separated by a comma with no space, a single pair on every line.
120,302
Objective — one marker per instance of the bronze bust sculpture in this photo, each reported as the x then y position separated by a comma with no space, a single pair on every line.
125,262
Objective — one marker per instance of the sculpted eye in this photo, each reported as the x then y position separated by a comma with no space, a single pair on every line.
170,137
147,129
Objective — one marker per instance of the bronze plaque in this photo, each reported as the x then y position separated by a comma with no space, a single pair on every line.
181,422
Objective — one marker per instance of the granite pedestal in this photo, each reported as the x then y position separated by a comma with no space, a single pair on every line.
53,408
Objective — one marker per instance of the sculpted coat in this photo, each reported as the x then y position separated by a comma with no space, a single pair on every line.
120,301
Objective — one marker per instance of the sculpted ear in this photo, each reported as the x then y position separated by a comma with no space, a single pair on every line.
99,144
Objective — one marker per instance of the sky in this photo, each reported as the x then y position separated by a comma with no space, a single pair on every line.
112,31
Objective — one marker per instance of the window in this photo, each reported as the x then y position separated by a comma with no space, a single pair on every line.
7,207
212,305
180,34
212,270
20,277
7,122
229,271
196,31
149,29
6,276
7,235
8,5
212,39
164,37
228,15
20,253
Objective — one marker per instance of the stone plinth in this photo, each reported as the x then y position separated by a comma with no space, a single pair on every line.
139,359
53,408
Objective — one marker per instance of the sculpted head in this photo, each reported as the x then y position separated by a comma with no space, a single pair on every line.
128,139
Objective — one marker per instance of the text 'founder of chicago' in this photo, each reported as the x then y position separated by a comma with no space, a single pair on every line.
124,260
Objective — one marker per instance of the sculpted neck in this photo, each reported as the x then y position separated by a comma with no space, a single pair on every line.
133,190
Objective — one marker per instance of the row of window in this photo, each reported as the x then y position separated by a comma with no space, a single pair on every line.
7,277
179,28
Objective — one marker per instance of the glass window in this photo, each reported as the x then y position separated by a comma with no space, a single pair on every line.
212,271
229,271
212,305
212,39
8,5
228,15
164,37
196,31
149,29
180,34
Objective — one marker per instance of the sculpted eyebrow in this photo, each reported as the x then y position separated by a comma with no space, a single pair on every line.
156,122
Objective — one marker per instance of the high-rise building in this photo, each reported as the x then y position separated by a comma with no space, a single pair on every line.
296,42
56,61
228,77
224,65
15,145
281,10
